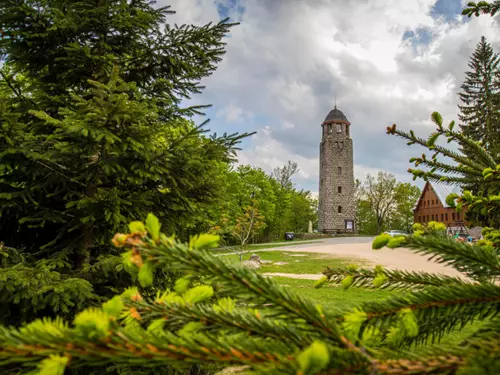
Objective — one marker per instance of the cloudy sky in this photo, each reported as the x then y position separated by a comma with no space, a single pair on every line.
386,61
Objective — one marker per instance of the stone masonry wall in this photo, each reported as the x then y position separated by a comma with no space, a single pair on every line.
336,150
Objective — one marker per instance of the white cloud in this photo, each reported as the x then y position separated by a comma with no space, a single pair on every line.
288,59
232,113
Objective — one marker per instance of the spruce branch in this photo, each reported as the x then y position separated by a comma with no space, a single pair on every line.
437,310
390,279
174,316
125,345
475,261
260,289
447,168
482,7
413,139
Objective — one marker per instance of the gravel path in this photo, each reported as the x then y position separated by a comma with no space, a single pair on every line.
402,259
304,276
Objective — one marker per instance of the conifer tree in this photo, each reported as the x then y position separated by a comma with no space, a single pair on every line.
480,109
92,136
223,313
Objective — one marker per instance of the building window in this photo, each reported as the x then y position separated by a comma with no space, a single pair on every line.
339,209
458,215
340,189
432,217
418,221
341,144
339,170
330,129
452,216
339,128
427,218
446,216
442,217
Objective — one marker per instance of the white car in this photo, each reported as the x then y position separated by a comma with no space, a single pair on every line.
394,233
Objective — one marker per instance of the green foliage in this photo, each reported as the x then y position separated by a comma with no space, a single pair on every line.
384,203
219,313
92,137
483,7
314,359
284,333
250,192
480,98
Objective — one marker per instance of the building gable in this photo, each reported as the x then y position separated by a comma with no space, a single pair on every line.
436,194
428,198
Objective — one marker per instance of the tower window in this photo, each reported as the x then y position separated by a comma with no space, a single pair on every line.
339,128
339,170
452,216
339,208
330,129
340,189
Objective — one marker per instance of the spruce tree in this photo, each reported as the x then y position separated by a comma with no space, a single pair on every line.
480,109
92,136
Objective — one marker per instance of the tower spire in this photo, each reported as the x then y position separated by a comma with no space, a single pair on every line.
335,101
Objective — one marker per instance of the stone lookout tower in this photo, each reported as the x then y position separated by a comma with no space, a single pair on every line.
337,208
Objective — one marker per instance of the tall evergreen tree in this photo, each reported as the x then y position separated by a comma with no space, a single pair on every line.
92,136
480,108
92,131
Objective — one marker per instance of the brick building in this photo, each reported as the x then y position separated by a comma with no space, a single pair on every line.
337,208
432,206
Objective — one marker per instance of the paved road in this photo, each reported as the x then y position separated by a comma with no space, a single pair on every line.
360,248
339,240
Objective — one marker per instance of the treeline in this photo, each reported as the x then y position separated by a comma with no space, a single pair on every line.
383,203
260,207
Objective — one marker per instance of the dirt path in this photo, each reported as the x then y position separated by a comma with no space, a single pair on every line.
304,276
402,259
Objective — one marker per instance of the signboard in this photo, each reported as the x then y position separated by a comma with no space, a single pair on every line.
349,226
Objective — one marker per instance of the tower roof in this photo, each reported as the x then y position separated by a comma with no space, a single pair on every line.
335,115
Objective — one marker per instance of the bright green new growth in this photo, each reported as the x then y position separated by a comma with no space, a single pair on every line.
284,333
228,315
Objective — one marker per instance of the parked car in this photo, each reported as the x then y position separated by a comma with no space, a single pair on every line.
394,233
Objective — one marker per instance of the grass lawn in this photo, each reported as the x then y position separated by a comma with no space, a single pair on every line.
332,296
336,298
300,263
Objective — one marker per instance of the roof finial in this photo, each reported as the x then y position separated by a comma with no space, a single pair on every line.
335,101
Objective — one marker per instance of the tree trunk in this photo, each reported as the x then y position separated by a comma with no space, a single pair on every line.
379,225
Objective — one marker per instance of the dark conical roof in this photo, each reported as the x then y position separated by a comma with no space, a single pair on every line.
335,115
